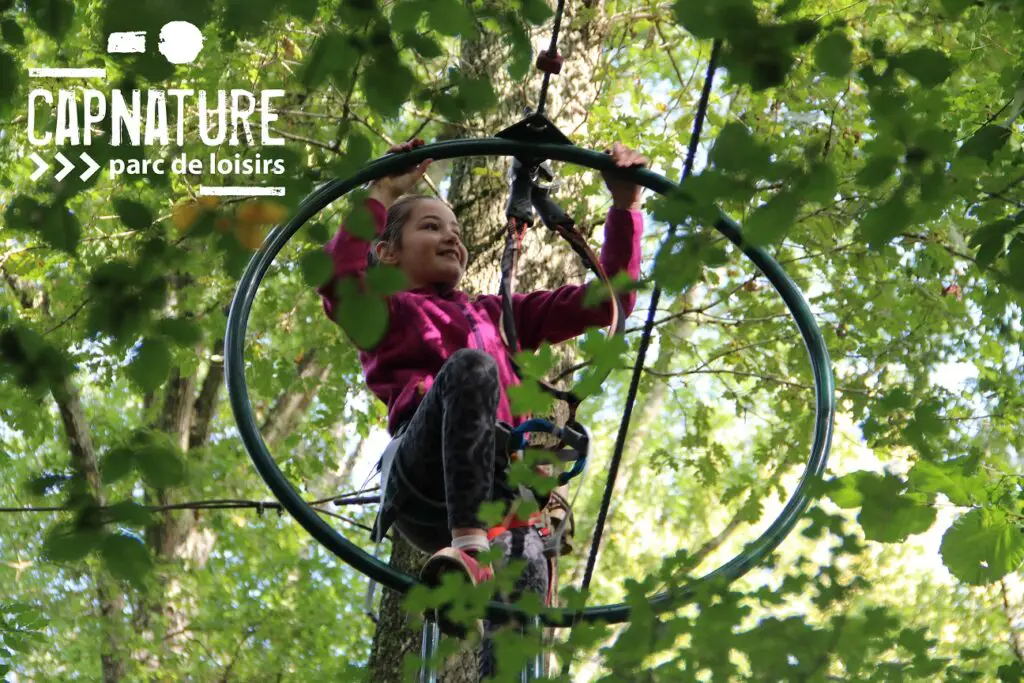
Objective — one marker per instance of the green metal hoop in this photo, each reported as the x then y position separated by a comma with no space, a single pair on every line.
241,306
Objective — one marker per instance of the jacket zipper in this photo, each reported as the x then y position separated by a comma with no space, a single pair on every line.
472,326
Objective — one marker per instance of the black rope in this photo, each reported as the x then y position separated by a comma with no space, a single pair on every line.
552,50
620,441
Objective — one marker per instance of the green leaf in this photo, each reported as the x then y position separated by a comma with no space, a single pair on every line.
151,365
247,16
133,214
11,32
363,316
304,9
996,231
877,170
425,46
181,331
387,83
157,458
317,267
522,51
882,223
820,184
770,223
893,525
333,51
406,15
535,364
736,150
986,142
64,543
955,7
1015,262
33,363
386,280
928,66
129,512
926,423
359,149
528,397
61,228
537,11
46,483
53,17
360,222
491,512
983,546
888,516
834,54
318,233
451,18
24,213
845,491
10,74
117,465
1011,673
126,557
477,94
947,478
716,19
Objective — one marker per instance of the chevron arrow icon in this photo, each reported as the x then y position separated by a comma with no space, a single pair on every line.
41,166
91,165
68,167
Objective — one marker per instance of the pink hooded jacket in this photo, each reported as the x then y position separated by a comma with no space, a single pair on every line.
425,326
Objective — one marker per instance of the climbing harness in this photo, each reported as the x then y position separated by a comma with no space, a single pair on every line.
531,143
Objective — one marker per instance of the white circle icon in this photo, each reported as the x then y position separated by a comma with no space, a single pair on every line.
180,42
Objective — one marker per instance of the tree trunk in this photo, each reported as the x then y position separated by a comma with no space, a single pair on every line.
83,458
478,199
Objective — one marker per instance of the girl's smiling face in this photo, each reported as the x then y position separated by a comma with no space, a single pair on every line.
430,251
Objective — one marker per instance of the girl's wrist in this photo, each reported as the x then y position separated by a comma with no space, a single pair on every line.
629,206
381,196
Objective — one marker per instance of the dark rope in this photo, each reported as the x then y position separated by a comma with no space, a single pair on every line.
552,50
620,440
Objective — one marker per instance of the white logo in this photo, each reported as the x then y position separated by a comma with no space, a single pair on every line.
141,118
180,42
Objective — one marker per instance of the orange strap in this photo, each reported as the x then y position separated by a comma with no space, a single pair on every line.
514,523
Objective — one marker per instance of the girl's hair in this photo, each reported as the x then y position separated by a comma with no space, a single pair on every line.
398,214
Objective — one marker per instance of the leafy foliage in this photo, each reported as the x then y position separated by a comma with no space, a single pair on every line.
875,149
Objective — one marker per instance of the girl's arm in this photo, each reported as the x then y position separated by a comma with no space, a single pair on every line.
350,256
556,315
349,253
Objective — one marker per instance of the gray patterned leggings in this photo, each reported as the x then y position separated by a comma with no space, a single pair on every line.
448,461
448,464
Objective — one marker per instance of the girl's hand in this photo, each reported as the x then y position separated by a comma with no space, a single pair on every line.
625,194
389,188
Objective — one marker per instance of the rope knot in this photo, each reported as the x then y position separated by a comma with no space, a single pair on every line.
550,63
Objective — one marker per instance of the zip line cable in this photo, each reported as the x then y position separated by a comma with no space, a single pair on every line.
620,440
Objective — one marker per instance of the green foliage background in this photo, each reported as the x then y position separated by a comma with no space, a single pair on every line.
874,148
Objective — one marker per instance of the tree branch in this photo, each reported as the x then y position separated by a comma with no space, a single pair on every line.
1015,636
206,403
286,409
83,459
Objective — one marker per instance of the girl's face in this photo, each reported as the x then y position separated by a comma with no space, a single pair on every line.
431,251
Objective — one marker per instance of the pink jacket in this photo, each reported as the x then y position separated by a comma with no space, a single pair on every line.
431,326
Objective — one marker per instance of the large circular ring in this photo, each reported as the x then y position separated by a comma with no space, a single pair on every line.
241,305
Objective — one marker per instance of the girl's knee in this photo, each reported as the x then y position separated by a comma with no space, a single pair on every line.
474,362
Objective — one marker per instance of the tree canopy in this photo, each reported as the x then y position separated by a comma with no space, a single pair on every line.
874,149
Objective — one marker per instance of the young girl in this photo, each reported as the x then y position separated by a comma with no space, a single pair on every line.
442,367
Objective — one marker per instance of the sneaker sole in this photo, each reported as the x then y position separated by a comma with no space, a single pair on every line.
431,576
